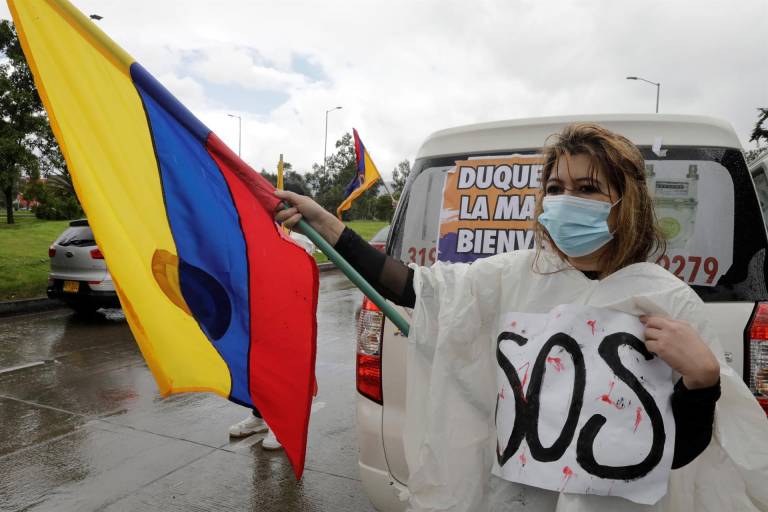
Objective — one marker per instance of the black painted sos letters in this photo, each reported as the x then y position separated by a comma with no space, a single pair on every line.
527,407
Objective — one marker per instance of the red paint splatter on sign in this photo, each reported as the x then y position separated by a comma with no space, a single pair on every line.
607,397
523,459
638,417
527,367
592,323
501,395
514,323
559,366
567,474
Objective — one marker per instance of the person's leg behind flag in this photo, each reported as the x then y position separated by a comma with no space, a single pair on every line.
252,424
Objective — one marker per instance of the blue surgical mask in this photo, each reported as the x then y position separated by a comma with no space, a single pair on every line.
577,226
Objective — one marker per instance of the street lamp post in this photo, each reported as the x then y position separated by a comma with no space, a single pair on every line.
658,88
239,132
325,142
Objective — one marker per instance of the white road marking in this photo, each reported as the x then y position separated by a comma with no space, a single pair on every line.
21,367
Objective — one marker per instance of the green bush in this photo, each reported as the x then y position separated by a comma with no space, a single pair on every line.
58,207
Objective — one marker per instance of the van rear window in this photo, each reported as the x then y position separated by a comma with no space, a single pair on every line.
464,207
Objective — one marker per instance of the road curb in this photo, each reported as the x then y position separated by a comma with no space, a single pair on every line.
326,266
20,307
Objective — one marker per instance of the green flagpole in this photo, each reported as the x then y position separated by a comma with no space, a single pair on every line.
354,276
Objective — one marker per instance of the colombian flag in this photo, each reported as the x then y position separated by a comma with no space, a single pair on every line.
366,175
185,226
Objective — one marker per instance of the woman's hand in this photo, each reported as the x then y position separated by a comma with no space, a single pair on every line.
324,222
681,347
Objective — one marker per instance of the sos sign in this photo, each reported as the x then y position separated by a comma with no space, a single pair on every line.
582,404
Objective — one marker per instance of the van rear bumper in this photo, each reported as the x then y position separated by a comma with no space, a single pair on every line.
381,488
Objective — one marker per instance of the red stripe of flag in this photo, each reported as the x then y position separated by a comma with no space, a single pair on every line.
283,282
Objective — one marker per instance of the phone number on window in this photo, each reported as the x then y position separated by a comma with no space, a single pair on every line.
688,268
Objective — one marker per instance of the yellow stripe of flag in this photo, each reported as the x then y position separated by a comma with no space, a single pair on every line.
99,121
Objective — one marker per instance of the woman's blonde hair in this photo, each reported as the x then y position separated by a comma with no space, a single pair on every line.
637,235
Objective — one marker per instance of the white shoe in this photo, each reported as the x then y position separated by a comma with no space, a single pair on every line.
270,442
250,425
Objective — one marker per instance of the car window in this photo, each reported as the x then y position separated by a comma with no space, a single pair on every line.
381,236
416,232
703,197
77,236
761,187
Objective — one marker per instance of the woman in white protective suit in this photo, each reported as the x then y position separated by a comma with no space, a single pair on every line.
479,333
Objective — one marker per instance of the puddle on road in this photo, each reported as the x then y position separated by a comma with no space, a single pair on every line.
113,315
30,340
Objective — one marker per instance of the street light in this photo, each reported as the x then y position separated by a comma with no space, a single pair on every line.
658,88
325,142
96,17
239,132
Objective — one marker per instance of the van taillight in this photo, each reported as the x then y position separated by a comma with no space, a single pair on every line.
96,254
51,251
370,325
756,355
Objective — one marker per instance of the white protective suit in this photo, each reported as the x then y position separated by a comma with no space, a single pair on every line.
450,436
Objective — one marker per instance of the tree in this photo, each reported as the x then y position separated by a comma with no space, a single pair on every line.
295,182
329,181
383,208
269,176
292,180
23,122
753,154
759,132
56,203
52,164
400,176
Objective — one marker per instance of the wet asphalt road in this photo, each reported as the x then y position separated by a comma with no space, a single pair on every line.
82,426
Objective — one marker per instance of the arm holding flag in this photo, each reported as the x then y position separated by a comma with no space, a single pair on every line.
365,266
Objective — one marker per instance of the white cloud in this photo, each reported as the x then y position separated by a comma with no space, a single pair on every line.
226,65
187,90
403,69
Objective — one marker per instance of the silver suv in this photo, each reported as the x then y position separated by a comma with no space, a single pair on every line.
79,275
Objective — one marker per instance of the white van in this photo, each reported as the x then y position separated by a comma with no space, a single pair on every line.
707,206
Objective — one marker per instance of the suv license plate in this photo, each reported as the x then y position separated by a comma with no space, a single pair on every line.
71,286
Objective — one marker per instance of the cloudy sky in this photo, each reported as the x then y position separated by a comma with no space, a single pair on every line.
402,69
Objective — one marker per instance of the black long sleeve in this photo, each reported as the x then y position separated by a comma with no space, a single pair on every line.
390,277
693,410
